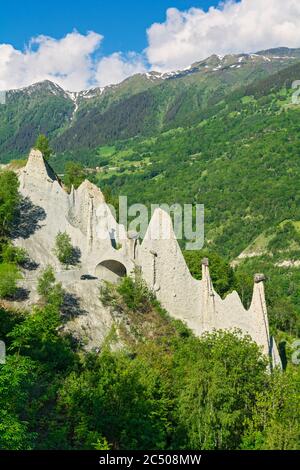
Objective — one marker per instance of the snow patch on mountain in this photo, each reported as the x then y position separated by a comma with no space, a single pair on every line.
214,63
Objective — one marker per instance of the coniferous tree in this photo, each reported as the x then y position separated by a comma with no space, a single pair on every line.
42,144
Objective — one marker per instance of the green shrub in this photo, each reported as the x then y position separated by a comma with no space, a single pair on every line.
9,277
13,254
135,294
63,248
46,282
50,291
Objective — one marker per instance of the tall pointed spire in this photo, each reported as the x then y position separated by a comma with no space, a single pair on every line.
38,167
259,309
208,296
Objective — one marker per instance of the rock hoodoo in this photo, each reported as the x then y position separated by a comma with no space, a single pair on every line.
107,251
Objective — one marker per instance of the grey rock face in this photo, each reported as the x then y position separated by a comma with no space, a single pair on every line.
108,252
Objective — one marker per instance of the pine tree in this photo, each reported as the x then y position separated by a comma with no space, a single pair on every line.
42,144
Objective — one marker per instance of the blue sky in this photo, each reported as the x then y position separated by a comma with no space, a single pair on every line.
123,23
84,43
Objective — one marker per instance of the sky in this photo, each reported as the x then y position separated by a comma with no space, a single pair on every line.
123,23
82,44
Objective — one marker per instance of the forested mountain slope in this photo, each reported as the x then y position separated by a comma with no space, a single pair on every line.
142,105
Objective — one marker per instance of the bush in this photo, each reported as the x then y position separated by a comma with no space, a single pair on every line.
136,295
46,282
63,248
9,276
51,292
13,254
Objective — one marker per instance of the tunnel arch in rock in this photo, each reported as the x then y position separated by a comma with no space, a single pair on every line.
110,270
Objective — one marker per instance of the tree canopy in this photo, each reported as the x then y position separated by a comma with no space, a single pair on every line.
42,144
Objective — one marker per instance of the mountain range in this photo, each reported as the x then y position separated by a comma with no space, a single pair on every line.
142,105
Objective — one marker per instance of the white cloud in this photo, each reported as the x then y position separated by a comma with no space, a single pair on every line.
185,37
66,61
233,27
69,61
116,67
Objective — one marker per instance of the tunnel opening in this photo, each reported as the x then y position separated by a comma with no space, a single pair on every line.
110,270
